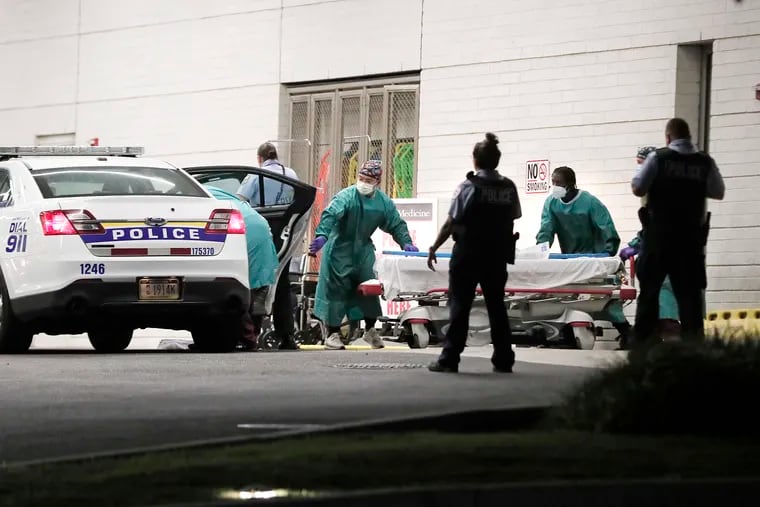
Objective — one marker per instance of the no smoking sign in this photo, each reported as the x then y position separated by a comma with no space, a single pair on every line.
537,177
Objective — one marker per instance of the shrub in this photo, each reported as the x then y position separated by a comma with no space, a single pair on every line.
672,388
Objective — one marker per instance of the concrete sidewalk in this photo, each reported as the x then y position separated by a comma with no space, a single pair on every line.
149,339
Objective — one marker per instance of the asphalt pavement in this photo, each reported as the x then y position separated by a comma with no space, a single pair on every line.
63,399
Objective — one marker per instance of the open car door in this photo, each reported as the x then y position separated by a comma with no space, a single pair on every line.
284,202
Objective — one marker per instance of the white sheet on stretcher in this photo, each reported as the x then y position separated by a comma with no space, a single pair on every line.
411,274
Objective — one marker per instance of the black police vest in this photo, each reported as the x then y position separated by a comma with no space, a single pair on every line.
676,198
488,223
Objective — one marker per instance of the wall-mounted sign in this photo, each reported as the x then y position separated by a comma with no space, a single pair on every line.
537,179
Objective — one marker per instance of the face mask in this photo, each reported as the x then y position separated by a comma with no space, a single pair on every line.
559,192
365,188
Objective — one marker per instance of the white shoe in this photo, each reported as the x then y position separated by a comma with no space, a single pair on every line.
334,342
372,337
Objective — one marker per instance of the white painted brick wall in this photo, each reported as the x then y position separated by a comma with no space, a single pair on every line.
337,39
735,144
100,15
19,127
41,72
37,19
229,54
190,125
484,31
549,92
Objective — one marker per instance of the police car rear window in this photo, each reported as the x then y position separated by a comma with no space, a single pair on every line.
106,181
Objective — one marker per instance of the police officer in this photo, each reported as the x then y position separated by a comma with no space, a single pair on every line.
275,193
481,221
669,325
677,181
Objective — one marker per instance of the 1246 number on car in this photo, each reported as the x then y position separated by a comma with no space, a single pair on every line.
92,269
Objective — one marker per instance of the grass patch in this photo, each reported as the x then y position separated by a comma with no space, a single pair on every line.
367,461
673,388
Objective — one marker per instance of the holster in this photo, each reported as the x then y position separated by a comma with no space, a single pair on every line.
643,217
512,248
706,229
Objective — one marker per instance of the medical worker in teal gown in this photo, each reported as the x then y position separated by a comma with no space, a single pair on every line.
582,224
348,259
262,264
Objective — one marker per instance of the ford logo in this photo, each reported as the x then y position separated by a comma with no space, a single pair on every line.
156,222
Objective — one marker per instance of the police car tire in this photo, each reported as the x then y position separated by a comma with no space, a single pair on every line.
110,341
218,336
14,337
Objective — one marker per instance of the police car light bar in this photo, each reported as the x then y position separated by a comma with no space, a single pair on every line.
20,151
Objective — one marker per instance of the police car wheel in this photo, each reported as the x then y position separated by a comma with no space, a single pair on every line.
14,337
110,340
217,336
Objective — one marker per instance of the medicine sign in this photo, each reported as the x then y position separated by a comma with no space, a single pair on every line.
421,216
537,179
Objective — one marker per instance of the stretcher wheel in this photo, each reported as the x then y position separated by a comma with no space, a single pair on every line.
419,337
584,338
302,338
310,336
269,341
578,338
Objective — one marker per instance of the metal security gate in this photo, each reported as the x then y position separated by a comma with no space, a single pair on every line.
401,150
353,123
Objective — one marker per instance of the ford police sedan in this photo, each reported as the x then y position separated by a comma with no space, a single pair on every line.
102,241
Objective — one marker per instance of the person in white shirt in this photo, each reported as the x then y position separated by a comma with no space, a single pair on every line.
275,194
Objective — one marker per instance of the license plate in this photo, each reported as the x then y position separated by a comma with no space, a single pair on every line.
159,289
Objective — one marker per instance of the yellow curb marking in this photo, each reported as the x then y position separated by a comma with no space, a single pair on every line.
355,347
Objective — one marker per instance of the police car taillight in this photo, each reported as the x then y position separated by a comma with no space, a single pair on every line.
68,222
225,221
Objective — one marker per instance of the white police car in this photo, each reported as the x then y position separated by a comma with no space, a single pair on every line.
100,240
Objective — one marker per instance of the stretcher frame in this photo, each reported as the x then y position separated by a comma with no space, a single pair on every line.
565,320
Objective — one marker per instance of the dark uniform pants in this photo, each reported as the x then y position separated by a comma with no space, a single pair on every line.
684,261
282,306
465,273
252,319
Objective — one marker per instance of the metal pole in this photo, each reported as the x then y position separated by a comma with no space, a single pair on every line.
289,141
359,137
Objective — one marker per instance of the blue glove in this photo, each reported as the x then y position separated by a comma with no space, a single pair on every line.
317,245
628,252
411,248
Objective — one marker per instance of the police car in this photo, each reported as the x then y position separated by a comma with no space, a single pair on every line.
103,241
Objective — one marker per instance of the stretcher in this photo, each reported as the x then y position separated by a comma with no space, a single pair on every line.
550,301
